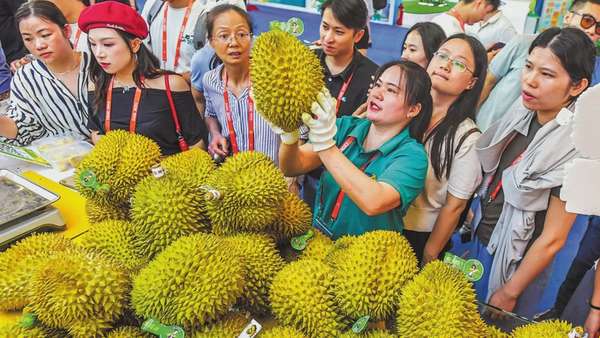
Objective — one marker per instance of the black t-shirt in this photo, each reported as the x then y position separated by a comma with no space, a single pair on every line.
361,69
154,118
491,210
12,44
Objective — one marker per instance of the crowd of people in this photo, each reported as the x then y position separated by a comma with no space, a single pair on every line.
466,127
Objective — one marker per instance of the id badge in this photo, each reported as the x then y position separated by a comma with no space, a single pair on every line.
323,227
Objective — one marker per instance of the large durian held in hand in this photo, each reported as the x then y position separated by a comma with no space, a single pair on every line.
286,78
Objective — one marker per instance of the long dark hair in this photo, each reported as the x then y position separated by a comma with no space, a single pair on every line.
574,49
210,25
464,107
417,89
41,9
146,64
432,36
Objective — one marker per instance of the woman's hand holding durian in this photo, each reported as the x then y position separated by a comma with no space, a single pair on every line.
321,123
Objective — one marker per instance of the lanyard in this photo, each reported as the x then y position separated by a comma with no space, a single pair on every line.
341,94
188,10
498,186
340,196
229,116
458,17
134,108
77,36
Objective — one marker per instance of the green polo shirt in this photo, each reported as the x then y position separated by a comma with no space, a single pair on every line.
401,163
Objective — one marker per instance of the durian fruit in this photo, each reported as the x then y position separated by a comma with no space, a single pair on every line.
294,219
494,332
262,262
368,334
245,194
98,211
439,302
127,332
370,273
114,239
163,210
282,332
110,172
82,292
19,262
13,329
335,254
301,297
229,326
318,247
192,166
286,78
193,282
546,329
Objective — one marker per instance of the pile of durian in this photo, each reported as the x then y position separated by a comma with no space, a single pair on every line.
207,248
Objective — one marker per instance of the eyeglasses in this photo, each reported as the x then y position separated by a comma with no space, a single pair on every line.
588,21
228,38
457,65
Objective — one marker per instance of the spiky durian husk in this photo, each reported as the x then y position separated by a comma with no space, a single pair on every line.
164,210
286,78
546,329
368,334
335,254
114,239
98,211
19,262
301,297
191,283
252,190
494,332
318,247
13,329
261,262
128,332
370,273
439,302
283,331
120,160
295,218
229,326
192,166
82,292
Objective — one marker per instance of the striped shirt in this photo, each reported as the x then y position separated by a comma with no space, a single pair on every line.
41,105
265,140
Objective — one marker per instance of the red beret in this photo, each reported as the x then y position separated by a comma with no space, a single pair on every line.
113,14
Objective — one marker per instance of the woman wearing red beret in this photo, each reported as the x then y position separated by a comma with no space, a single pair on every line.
130,91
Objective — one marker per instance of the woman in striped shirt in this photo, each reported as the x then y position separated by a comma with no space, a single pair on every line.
230,112
49,95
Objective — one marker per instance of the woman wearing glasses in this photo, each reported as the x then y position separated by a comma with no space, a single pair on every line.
129,90
230,112
457,71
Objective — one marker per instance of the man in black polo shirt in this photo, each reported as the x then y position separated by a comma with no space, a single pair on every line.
348,73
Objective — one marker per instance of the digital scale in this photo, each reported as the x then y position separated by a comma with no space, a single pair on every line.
25,207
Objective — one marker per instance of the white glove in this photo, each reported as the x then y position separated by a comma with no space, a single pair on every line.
286,138
321,124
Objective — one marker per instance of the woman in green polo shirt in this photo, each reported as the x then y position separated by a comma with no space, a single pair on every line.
375,167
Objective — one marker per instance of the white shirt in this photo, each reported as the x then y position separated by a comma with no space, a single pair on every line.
449,24
174,23
497,29
79,39
465,177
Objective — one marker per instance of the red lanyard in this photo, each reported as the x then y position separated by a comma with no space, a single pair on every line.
340,196
341,94
188,10
77,36
458,17
134,108
496,190
229,116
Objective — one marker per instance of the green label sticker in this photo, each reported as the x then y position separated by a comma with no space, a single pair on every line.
294,26
300,242
163,331
28,320
361,324
88,179
472,268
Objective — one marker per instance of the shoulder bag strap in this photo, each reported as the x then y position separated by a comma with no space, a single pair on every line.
180,139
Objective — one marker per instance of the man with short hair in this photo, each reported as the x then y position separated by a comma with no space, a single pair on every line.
493,29
71,10
465,12
503,82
